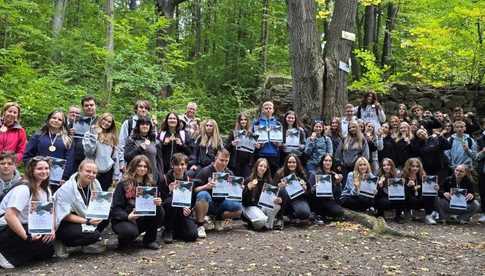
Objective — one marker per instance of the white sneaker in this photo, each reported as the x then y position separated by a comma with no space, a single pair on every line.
435,215
428,219
219,225
60,250
201,232
481,218
4,263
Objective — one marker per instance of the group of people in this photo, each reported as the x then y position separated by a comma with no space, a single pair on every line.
359,158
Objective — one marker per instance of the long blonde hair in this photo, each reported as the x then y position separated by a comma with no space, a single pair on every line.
354,142
109,135
215,140
358,177
399,134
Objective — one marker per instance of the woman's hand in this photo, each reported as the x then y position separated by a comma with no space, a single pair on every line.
187,211
172,186
338,178
303,185
132,217
252,184
278,200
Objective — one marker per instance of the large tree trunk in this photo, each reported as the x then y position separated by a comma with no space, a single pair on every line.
58,19
305,56
264,35
370,28
338,50
133,5
392,11
109,48
196,28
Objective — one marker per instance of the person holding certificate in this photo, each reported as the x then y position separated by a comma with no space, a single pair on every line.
241,157
178,222
460,179
388,173
293,136
297,208
53,140
125,223
71,203
205,147
173,138
17,246
327,206
207,203
259,217
352,197
413,173
316,146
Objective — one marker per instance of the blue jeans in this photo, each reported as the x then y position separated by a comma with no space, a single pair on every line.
217,208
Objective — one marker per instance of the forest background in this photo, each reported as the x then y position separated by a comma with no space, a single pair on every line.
218,52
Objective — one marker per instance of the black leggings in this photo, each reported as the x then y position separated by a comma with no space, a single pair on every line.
105,179
128,231
71,234
327,207
19,252
426,203
357,203
184,228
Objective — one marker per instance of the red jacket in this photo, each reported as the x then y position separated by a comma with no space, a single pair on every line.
14,139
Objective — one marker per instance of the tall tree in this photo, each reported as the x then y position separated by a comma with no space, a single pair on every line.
370,27
264,34
337,51
58,19
166,9
392,10
196,28
109,47
307,67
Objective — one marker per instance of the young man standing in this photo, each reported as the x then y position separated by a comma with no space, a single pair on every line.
83,125
349,116
268,150
206,203
463,147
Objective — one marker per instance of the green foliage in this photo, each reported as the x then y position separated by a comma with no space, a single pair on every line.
372,77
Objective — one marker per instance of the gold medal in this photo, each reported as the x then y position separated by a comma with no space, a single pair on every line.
147,142
52,148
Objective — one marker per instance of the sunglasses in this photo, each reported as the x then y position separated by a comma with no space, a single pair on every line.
41,158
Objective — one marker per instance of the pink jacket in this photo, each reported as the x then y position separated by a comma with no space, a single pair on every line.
14,139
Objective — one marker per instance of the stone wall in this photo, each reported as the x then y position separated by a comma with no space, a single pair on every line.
278,89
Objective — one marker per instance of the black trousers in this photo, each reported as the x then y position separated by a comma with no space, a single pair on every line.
297,208
357,203
71,234
19,252
184,228
382,203
327,207
105,179
128,231
425,202
481,189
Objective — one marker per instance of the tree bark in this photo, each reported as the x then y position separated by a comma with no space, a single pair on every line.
133,5
336,50
370,28
196,28
392,11
109,48
264,35
305,56
58,19
166,8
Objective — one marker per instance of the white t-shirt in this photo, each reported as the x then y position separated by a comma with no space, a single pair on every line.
19,198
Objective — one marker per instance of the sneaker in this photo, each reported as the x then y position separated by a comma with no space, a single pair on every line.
278,225
60,250
318,220
219,225
463,221
152,245
95,248
4,263
428,219
201,232
435,215
167,236
481,218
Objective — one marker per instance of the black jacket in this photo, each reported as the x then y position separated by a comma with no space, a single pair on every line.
169,149
450,182
202,156
431,152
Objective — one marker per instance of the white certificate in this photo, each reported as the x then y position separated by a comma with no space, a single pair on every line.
182,194
323,185
221,188
57,170
268,195
262,133
276,134
395,189
144,202
235,188
430,182
292,141
294,187
40,217
368,187
458,199
247,142
99,205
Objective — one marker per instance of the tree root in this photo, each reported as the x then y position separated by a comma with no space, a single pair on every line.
377,225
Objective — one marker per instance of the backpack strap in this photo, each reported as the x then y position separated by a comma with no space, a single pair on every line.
182,136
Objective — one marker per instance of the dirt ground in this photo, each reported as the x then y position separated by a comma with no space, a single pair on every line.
342,248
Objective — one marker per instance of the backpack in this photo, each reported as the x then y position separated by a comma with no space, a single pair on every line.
130,126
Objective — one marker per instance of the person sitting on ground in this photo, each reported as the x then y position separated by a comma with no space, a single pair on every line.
351,195
9,175
259,217
206,203
71,204
17,246
124,221
461,178
179,223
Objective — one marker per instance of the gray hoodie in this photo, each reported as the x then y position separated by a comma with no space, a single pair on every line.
6,185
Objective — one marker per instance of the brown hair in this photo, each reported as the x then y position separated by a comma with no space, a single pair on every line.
130,175
29,176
